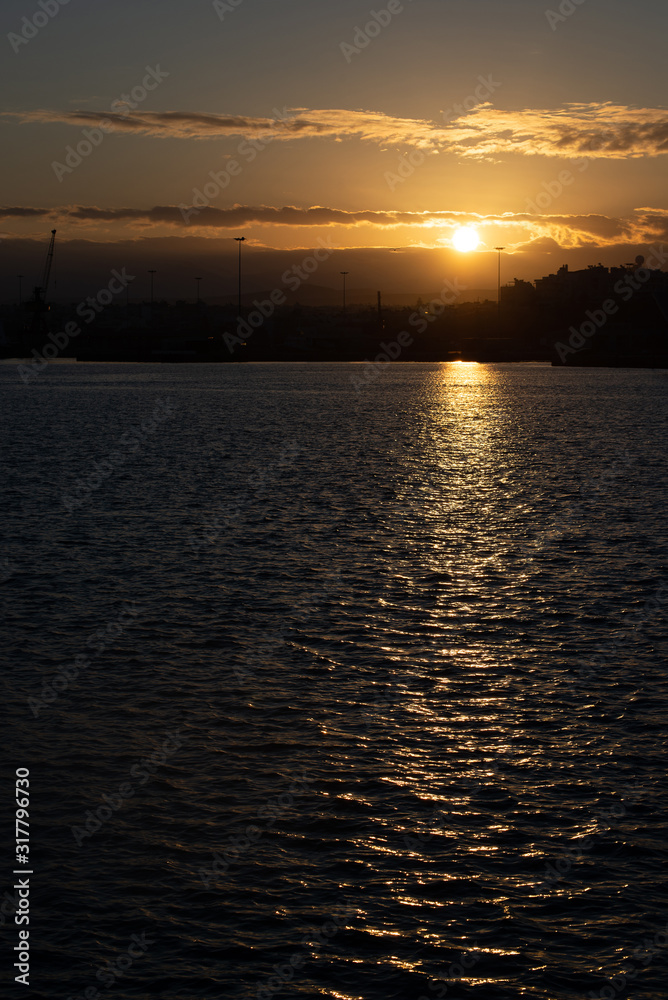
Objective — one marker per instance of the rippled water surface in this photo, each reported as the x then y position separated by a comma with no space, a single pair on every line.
344,694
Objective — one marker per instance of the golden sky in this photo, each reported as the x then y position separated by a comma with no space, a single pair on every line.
539,126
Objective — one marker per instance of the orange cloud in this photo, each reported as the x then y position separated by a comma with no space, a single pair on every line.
601,131
592,130
289,123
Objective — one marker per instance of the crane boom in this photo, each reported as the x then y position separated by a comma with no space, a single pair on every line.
38,305
41,290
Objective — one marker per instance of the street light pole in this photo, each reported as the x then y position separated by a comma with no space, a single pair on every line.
344,273
498,286
152,272
240,240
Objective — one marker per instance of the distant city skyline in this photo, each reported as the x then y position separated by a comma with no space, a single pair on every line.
81,267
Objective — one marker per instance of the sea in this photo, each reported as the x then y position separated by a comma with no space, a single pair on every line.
335,681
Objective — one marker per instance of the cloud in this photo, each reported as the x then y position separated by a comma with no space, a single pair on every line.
239,215
601,131
593,131
525,231
542,244
25,213
288,123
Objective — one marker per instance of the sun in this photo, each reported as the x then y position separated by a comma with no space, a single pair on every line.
466,239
